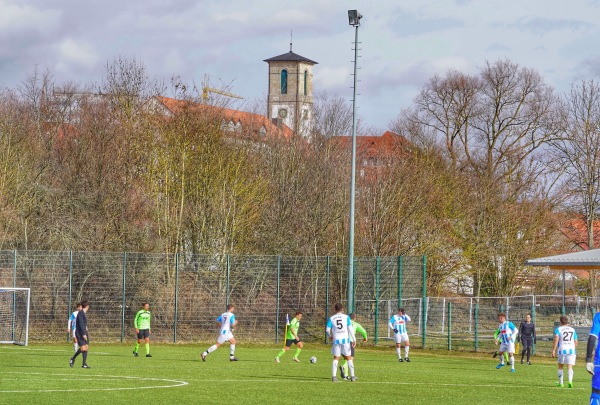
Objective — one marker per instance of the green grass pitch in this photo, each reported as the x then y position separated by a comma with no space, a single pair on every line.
40,374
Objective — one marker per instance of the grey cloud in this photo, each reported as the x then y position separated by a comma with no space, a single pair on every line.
410,24
541,26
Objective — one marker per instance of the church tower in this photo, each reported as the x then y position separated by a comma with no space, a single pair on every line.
290,98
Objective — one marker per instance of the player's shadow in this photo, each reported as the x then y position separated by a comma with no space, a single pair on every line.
288,377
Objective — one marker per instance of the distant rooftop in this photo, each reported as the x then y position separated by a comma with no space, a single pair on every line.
290,57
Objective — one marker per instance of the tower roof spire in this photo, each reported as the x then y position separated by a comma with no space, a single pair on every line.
291,36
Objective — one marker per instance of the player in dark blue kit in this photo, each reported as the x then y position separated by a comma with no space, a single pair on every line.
592,360
81,332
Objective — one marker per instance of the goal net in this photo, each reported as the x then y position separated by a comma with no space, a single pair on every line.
14,315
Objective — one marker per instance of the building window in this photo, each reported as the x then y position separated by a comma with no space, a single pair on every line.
305,81
284,76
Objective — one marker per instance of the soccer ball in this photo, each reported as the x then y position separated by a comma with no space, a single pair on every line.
313,359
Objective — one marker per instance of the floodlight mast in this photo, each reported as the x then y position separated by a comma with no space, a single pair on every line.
354,20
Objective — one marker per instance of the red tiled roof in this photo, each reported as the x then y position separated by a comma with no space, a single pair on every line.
249,122
386,146
576,231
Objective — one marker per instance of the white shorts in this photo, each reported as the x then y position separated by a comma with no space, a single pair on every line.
342,349
224,338
507,347
73,333
566,359
401,338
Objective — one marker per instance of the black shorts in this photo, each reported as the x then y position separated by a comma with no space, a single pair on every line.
143,333
289,342
81,341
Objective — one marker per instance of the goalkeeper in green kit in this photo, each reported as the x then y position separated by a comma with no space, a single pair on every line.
357,329
141,323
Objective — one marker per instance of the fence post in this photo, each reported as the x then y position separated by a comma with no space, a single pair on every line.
327,294
123,297
277,309
176,309
15,269
533,320
424,267
70,288
227,270
476,326
449,325
377,286
399,281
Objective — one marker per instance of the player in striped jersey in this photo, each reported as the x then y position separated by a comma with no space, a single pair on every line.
71,326
565,342
398,325
340,332
506,338
592,359
226,321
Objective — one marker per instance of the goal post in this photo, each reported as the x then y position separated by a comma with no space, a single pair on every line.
14,315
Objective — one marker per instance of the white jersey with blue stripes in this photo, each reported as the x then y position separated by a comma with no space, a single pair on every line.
226,319
340,328
508,332
567,336
398,322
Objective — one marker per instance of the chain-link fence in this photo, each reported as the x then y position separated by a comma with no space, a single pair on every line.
188,292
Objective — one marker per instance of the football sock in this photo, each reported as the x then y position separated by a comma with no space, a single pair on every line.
399,352
281,353
345,367
570,375
231,351
351,367
77,353
560,377
512,361
75,346
147,348
137,346
406,351
298,350
211,349
334,367
84,354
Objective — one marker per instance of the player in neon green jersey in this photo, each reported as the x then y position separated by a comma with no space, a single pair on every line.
292,338
141,323
357,329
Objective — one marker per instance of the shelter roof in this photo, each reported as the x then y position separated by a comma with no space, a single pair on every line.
587,259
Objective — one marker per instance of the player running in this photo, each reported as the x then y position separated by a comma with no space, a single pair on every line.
226,321
292,338
340,332
398,325
141,323
565,342
71,326
508,336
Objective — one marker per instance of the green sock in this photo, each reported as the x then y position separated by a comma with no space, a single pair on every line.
137,346
345,367
281,353
298,350
147,348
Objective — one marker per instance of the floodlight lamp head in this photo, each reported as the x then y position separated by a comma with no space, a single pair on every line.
354,17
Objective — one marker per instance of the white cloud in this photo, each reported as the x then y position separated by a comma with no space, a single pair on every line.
81,53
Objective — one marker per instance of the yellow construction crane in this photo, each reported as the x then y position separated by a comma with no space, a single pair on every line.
206,89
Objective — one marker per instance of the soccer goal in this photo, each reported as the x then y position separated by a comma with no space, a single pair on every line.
14,315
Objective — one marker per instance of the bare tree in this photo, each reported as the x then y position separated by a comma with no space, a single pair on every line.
578,153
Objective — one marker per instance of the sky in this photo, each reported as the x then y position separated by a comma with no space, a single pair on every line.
402,44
